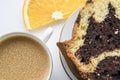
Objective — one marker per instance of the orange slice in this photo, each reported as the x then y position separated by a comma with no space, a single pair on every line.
38,13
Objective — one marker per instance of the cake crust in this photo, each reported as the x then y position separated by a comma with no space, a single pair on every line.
99,10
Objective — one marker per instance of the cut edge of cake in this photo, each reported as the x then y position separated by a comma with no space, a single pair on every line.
66,46
71,46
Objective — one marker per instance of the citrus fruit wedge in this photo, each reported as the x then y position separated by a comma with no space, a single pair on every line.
38,13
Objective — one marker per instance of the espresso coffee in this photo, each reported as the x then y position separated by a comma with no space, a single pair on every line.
22,58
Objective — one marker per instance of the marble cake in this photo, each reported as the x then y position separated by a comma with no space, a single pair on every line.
95,45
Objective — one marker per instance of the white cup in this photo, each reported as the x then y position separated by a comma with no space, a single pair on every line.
34,38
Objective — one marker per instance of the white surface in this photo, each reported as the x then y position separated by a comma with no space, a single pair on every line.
11,21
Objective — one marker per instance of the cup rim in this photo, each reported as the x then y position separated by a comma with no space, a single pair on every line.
12,34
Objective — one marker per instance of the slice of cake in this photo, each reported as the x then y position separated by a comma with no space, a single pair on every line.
95,44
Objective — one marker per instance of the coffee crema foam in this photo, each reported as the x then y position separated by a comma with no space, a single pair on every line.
22,58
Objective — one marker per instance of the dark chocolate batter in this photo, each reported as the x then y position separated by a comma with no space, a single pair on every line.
100,37
107,69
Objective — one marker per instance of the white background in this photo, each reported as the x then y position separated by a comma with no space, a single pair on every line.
11,21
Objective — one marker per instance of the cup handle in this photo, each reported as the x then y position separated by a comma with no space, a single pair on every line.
46,35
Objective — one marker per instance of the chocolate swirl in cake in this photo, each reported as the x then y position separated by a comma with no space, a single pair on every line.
107,69
95,44
100,37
